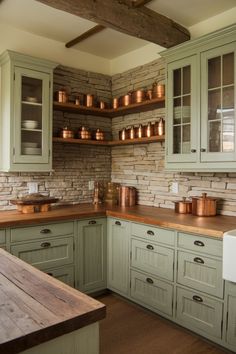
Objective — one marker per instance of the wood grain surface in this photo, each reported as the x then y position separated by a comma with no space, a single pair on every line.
35,307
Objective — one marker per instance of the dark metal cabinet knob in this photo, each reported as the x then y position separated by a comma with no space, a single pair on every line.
92,222
149,280
197,298
193,150
199,243
198,260
203,150
45,231
118,223
45,244
150,232
150,247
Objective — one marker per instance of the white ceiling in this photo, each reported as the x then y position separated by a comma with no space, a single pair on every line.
42,20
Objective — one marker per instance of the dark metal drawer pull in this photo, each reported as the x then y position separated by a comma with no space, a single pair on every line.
197,298
50,274
118,223
149,280
199,260
150,232
150,247
193,150
92,222
45,231
45,244
199,243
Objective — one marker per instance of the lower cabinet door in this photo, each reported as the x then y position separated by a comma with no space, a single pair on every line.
152,292
231,314
201,273
65,274
199,312
153,259
47,253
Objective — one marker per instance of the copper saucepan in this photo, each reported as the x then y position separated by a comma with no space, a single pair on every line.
183,206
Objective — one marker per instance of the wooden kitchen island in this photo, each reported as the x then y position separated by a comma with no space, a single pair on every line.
39,314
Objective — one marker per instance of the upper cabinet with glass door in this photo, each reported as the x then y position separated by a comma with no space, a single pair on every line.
26,113
201,99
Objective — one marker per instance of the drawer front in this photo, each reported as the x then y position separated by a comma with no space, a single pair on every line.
199,312
2,237
65,274
152,292
200,244
201,273
40,231
152,258
46,254
155,234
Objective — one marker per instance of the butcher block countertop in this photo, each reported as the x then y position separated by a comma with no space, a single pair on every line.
210,226
36,308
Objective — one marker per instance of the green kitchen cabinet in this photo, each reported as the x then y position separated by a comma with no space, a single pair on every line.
92,255
230,297
64,274
2,238
118,256
201,119
26,113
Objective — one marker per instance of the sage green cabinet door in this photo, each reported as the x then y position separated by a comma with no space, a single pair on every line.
152,292
199,312
92,258
48,253
118,255
65,274
200,244
201,273
2,237
153,234
231,314
152,258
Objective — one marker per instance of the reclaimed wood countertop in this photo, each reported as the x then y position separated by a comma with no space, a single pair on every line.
36,308
213,226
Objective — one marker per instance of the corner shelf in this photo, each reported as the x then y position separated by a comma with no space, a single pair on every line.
152,139
110,112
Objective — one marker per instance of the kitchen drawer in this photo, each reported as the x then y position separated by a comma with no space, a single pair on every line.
155,234
199,312
65,274
2,237
201,273
152,258
31,233
200,244
49,253
152,292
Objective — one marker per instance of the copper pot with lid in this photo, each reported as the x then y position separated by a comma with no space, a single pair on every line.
66,133
127,196
158,90
125,100
138,96
183,206
204,205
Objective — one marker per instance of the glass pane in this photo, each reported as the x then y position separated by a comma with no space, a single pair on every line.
177,111
228,69
214,104
31,116
186,109
186,139
177,139
177,82
214,72
186,80
228,135
228,97
214,136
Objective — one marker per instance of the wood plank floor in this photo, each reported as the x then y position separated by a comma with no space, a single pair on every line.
130,329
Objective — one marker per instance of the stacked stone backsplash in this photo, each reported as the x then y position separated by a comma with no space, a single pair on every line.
141,166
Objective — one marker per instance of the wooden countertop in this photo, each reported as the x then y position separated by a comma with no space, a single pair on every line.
36,308
211,226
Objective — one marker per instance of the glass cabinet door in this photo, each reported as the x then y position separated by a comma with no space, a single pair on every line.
31,115
218,104
182,133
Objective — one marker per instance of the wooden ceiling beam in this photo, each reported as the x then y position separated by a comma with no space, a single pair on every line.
138,22
85,35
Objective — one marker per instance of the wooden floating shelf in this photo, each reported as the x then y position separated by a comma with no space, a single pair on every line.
110,112
152,139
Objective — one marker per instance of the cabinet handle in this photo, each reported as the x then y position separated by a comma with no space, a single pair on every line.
199,260
92,222
150,232
50,274
45,244
193,150
118,223
197,298
149,280
203,150
150,247
45,231
199,243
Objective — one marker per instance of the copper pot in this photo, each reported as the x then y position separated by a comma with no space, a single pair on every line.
99,135
102,105
148,130
204,206
139,131
127,196
183,206
88,100
115,103
84,134
66,133
122,134
158,90
125,100
61,96
138,96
